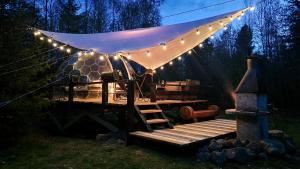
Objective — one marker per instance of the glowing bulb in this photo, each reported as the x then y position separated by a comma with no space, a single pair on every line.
252,8
189,52
231,18
164,47
200,45
42,38
61,48
182,41
154,71
101,58
212,37
221,23
129,56
225,28
148,53
197,32
50,40
210,27
243,13
171,63
92,53
162,68
85,54
79,53
116,57
179,58
68,50
37,33
239,18
54,44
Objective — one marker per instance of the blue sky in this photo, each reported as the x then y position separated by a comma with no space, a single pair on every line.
176,6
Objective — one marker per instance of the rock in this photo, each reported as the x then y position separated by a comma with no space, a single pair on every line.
273,147
262,156
203,154
214,146
255,147
238,154
102,137
218,158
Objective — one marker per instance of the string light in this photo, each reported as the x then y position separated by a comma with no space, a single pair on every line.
239,18
37,33
61,47
50,40
252,8
54,44
79,53
171,63
243,13
161,68
179,58
101,58
197,32
182,41
210,27
225,28
116,57
164,46
68,50
231,18
154,71
42,38
212,37
189,52
200,45
221,23
148,53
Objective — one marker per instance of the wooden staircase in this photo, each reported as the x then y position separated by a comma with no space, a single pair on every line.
152,116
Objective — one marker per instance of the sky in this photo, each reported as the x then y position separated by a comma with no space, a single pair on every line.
176,6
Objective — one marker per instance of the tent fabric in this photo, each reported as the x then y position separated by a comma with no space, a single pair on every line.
145,46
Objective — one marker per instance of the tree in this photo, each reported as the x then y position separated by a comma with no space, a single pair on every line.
69,21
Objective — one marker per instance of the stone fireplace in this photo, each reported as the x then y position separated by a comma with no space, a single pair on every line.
251,104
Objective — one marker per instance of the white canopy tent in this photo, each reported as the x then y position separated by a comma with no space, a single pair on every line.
150,47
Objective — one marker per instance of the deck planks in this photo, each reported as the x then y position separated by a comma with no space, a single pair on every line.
190,133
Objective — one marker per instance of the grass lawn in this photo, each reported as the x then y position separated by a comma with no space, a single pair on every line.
53,152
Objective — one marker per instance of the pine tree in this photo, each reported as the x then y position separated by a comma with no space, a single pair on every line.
69,21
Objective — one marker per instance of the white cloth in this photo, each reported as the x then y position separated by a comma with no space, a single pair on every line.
135,44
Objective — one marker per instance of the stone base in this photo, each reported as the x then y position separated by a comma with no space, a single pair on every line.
252,128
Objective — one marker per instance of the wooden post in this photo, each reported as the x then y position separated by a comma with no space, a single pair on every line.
130,109
71,91
104,93
152,90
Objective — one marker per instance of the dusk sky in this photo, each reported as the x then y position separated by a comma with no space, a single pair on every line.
175,6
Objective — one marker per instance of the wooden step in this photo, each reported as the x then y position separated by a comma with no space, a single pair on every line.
156,121
149,111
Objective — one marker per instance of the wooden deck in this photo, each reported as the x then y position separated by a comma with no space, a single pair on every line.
187,134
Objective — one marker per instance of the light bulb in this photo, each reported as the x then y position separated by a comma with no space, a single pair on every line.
68,50
54,44
171,63
164,47
101,58
61,48
37,33
162,68
50,40
252,8
243,13
212,37
225,28
182,41
197,32
79,53
231,18
189,52
148,53
210,27
92,53
116,57
154,71
221,23
200,45
42,38
239,18
129,56
179,58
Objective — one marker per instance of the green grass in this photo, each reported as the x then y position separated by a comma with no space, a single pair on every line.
45,152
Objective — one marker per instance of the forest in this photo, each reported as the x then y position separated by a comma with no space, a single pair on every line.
271,32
